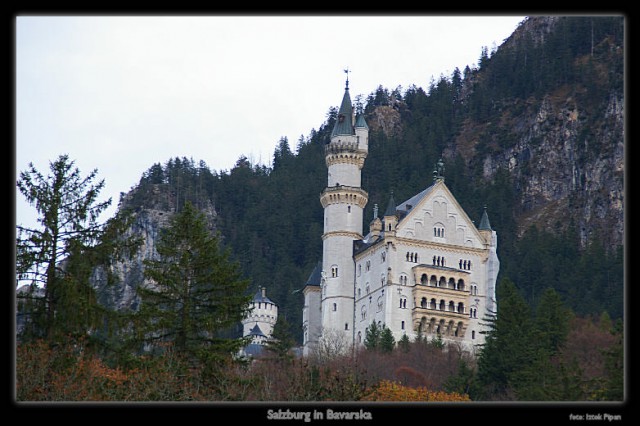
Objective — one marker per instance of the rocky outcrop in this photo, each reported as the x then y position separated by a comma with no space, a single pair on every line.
564,149
117,287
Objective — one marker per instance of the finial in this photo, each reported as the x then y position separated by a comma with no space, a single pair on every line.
375,211
438,172
346,71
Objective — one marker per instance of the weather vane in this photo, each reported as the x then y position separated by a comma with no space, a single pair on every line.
346,71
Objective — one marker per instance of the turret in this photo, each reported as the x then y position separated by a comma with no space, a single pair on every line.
343,201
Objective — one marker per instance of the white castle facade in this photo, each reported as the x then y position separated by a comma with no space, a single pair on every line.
423,269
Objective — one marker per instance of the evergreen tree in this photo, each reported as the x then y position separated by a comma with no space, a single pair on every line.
508,346
197,293
552,322
68,212
463,382
282,341
387,342
404,343
379,338
372,336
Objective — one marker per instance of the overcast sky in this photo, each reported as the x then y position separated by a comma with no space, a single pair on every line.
120,93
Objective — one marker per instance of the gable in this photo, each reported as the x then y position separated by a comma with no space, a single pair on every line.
434,215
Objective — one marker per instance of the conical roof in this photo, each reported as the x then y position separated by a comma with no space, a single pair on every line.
484,222
391,207
344,123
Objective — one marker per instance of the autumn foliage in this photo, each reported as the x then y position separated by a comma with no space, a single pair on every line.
392,391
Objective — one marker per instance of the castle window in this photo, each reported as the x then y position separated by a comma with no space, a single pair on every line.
346,325
334,271
383,256
348,209
363,312
335,307
402,325
464,264
403,279
473,334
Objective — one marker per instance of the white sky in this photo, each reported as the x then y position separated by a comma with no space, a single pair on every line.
120,93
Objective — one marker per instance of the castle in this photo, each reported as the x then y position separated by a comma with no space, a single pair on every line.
423,270
259,323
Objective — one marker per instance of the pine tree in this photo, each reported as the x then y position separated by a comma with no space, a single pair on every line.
508,346
387,342
552,321
282,340
68,212
372,336
197,293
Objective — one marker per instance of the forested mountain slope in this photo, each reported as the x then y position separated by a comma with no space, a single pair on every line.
535,133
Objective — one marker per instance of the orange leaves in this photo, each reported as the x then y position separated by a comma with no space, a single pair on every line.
393,391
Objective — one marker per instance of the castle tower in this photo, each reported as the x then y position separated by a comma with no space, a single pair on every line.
343,201
262,317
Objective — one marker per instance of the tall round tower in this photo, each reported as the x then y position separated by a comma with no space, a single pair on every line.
343,201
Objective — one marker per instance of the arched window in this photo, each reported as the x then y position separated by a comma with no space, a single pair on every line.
461,308
452,306
461,284
442,304
335,307
423,302
423,279
433,304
